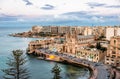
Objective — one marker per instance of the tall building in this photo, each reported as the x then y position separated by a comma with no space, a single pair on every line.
112,31
113,53
54,29
87,31
37,29
63,29
46,29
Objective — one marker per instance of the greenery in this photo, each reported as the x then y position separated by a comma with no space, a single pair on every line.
99,47
56,70
16,69
101,37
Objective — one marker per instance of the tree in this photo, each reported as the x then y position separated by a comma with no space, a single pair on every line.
98,45
56,70
16,69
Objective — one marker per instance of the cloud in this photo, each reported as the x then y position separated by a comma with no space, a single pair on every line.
113,6
28,2
60,11
21,20
95,4
48,7
79,13
98,19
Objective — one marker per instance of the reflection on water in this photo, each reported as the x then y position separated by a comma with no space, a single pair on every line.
73,72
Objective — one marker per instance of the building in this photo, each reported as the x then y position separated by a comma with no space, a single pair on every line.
112,31
39,44
46,29
74,41
36,29
93,54
113,53
87,31
54,29
63,29
77,45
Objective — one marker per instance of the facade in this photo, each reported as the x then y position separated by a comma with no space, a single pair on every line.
36,29
113,53
78,45
74,41
112,31
38,44
87,31
54,29
109,32
98,31
46,29
63,29
93,54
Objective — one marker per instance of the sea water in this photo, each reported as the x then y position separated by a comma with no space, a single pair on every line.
38,69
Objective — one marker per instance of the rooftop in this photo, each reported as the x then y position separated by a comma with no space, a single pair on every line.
82,36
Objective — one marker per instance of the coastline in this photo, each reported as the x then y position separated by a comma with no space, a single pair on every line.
93,71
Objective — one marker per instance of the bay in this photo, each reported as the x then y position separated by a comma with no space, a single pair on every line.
39,69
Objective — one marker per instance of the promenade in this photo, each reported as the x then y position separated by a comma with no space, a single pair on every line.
100,71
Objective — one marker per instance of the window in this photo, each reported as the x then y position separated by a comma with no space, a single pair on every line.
113,56
112,60
113,52
114,41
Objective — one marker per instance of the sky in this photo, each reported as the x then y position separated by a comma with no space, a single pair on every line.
60,12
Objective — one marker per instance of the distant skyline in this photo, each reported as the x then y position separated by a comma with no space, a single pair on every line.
60,12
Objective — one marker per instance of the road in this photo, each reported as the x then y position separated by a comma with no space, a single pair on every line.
100,70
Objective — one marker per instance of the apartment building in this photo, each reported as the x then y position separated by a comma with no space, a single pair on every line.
112,31
113,53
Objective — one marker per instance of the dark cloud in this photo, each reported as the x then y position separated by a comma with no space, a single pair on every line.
113,6
48,7
94,4
28,2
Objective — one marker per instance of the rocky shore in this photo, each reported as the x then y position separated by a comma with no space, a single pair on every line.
36,35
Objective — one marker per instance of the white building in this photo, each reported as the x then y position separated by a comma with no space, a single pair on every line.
88,31
112,31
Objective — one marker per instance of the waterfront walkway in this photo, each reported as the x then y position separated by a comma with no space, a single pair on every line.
100,71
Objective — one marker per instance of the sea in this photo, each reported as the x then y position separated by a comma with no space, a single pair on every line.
38,69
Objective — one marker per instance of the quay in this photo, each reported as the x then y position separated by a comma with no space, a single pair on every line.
65,58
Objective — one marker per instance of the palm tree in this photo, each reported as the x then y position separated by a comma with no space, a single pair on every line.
16,69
